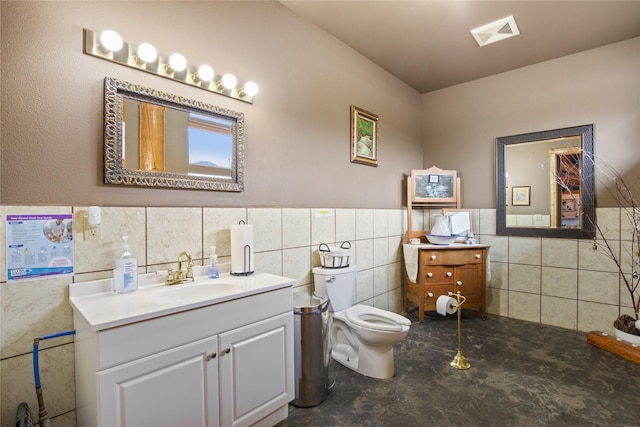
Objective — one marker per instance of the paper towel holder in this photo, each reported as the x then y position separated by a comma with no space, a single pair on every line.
246,262
459,361
246,258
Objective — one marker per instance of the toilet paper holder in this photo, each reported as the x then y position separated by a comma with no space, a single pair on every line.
459,361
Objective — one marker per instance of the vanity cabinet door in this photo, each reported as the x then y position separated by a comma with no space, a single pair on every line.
177,387
469,282
256,370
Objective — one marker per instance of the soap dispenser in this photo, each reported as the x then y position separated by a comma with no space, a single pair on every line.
125,275
213,271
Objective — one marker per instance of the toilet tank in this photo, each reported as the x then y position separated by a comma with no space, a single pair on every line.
339,284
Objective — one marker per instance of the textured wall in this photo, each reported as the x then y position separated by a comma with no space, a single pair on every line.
297,131
599,86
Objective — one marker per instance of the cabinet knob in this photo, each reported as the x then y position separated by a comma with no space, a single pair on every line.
210,356
430,294
225,351
449,274
433,257
459,283
429,274
478,256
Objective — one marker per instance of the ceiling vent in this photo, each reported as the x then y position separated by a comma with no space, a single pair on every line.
495,31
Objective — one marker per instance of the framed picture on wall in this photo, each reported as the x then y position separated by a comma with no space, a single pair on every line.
521,196
434,185
364,137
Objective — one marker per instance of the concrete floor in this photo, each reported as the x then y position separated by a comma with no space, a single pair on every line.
522,374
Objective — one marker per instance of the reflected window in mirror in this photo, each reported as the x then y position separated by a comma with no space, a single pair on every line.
162,140
551,174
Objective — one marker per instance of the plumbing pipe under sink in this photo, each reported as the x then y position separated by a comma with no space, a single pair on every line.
42,411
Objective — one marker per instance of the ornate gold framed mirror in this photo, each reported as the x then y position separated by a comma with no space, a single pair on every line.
157,139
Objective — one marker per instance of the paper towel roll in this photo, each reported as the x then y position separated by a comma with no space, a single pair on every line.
446,305
242,249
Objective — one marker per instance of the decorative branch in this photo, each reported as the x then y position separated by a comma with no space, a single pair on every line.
623,196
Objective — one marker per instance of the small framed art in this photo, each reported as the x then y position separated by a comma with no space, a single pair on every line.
364,137
434,185
521,196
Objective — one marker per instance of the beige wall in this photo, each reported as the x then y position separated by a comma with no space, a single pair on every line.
599,86
297,131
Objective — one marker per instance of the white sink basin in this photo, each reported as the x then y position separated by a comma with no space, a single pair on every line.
102,309
195,291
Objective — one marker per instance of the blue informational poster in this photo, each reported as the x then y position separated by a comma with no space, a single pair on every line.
39,245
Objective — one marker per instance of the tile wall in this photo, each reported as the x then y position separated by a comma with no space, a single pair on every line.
553,281
285,243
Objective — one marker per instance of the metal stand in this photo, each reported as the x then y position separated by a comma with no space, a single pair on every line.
459,361
246,262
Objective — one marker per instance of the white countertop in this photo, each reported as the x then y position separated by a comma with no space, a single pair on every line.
103,309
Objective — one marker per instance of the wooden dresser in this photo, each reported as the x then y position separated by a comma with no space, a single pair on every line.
443,269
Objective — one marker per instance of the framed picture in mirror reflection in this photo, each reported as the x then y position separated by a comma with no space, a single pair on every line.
521,196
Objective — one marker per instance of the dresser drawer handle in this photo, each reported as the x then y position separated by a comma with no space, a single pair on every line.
478,256
429,274
430,294
433,257
459,283
449,274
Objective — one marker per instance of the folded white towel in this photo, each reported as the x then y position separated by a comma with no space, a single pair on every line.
411,260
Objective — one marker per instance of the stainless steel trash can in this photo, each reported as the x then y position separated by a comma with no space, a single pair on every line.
311,349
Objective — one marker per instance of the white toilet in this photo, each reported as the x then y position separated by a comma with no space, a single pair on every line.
362,337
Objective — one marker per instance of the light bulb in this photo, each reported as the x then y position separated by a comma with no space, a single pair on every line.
205,73
111,40
147,53
251,88
177,62
229,81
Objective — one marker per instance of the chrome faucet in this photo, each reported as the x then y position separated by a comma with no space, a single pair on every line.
179,276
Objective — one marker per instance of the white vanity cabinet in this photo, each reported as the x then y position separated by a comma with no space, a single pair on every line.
172,388
254,366
225,364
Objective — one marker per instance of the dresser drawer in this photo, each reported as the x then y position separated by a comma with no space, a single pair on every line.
437,274
451,257
433,292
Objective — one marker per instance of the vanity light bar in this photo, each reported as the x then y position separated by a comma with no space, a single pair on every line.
174,67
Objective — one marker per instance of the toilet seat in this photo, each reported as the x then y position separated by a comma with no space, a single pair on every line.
376,319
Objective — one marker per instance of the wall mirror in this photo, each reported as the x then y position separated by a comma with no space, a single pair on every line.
545,184
156,139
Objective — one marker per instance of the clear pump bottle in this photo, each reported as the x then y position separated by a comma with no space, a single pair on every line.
213,271
125,275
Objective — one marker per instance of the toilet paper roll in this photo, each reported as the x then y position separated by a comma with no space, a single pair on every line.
242,249
446,305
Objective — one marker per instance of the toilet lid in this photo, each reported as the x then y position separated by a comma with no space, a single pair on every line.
375,318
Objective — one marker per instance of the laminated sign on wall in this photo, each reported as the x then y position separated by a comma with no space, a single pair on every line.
39,245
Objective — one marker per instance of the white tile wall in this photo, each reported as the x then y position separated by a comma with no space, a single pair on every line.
559,282
285,240
552,281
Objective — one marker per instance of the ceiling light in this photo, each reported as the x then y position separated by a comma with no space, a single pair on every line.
251,88
205,73
229,81
111,40
108,45
496,31
177,62
147,53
